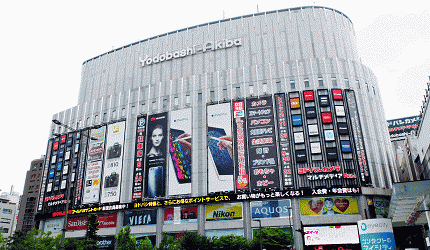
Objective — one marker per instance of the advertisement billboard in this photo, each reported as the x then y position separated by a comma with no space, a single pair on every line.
80,223
329,206
140,217
331,235
139,159
240,146
93,171
283,139
399,128
80,151
112,170
53,225
44,183
220,148
271,209
156,153
376,234
180,148
180,215
263,159
224,211
358,137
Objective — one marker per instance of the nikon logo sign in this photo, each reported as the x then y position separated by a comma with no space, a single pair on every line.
202,48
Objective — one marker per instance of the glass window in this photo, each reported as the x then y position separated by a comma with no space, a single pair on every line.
7,211
306,83
320,81
264,88
334,81
237,91
292,84
5,220
212,95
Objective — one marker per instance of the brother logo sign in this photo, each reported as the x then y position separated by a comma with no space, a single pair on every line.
202,48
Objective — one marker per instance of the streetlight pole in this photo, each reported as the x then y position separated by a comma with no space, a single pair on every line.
261,241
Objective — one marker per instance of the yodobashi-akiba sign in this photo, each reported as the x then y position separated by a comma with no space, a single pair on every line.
195,49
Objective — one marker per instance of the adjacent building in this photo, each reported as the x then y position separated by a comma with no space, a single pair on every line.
9,203
28,203
268,118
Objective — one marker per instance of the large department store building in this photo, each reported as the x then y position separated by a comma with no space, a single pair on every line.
266,118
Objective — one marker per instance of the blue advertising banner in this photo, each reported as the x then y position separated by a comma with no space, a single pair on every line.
271,209
376,234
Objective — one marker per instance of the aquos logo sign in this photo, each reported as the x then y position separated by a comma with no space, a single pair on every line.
202,48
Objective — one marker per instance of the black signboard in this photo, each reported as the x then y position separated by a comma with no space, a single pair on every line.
358,137
263,160
80,150
140,217
283,138
139,159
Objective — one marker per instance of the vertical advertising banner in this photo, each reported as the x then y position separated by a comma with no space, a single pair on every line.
80,151
220,148
113,162
376,234
93,171
358,137
240,147
139,161
263,159
156,151
283,138
180,148
44,176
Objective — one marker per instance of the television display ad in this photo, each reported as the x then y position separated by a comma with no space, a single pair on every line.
180,148
220,148
113,162
178,215
156,154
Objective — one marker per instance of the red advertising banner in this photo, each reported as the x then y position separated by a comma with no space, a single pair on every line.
80,223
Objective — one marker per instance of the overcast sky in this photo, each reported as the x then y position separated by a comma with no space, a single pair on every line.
44,43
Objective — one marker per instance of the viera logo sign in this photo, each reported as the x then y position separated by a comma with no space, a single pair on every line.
195,49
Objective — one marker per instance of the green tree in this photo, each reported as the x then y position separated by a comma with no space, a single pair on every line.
90,240
34,240
192,240
231,242
124,239
273,238
169,243
73,244
3,242
145,244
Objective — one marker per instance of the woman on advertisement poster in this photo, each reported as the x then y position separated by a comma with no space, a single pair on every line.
156,156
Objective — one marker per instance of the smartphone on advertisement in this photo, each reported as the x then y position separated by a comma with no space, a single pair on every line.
221,157
181,157
155,181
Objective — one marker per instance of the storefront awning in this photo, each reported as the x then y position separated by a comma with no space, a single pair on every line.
407,203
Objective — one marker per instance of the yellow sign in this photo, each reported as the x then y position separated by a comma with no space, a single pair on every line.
329,206
225,211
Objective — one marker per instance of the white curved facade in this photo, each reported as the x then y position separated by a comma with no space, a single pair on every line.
307,48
